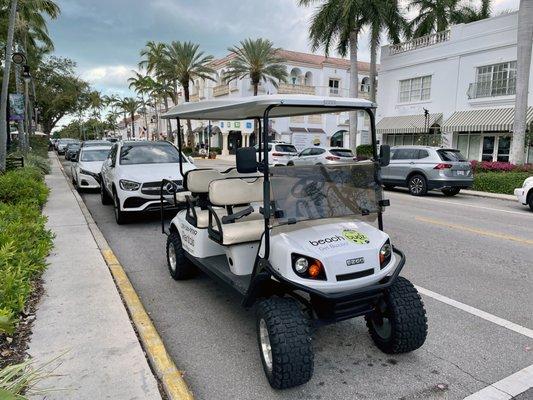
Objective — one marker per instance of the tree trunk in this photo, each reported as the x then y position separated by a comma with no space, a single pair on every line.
190,135
22,134
523,64
354,88
373,68
4,125
170,136
133,124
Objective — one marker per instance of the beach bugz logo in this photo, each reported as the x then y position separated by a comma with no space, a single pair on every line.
355,237
329,240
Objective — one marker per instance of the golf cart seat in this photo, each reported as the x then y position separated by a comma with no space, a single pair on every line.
244,224
197,183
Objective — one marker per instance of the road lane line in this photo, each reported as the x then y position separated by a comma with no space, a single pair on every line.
525,213
478,313
507,388
475,230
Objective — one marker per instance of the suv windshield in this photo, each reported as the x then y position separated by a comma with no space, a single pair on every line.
94,155
149,154
451,155
97,143
286,148
302,193
342,153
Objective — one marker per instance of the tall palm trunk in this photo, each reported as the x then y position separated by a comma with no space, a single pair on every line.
373,68
4,124
354,87
524,39
133,124
170,136
190,135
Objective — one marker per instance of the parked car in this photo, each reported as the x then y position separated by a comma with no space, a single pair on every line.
279,153
423,168
61,144
322,155
525,193
93,143
72,150
87,165
132,175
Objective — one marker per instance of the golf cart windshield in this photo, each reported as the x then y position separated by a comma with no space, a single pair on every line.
300,193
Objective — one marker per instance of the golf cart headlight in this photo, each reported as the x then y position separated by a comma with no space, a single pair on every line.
129,185
385,254
301,265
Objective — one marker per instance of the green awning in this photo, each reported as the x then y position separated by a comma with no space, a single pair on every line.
407,123
484,120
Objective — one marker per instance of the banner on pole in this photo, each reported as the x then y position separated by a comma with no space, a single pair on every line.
16,107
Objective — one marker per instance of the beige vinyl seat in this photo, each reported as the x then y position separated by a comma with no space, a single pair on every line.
231,192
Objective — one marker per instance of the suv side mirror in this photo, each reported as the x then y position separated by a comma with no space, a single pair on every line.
384,155
246,160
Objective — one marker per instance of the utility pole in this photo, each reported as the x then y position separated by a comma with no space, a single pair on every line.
4,127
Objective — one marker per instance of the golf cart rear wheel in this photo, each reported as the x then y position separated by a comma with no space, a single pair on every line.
451,191
179,266
284,338
398,324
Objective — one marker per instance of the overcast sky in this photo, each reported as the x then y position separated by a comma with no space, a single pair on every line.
104,36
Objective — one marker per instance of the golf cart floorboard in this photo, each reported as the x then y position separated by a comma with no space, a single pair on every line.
217,267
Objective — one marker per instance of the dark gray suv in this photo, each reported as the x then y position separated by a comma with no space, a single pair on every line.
423,168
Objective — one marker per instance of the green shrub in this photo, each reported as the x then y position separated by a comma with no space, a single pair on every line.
217,150
499,182
39,145
364,150
39,162
187,151
23,185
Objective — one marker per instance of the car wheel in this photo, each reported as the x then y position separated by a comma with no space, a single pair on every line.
284,339
398,323
451,191
179,266
290,164
120,216
530,199
417,185
104,195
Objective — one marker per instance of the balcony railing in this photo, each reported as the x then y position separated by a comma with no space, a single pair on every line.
220,90
418,43
500,87
287,88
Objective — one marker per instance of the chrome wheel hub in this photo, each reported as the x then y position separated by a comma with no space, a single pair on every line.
172,258
266,349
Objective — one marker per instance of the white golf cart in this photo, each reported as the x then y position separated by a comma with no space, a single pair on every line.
297,242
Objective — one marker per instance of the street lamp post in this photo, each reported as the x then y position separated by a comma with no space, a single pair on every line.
27,119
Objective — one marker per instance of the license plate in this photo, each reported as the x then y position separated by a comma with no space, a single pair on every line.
460,172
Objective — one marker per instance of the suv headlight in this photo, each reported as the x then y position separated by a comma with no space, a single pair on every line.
129,185
385,254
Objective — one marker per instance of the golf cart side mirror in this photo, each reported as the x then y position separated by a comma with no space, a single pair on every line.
246,160
384,155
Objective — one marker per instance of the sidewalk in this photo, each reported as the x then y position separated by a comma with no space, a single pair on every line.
81,317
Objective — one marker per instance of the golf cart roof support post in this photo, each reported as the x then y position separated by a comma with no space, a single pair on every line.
266,182
258,136
377,177
180,147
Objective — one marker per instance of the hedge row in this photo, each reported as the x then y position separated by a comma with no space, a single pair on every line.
24,240
499,182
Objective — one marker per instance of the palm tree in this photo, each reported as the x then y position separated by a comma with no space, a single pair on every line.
340,22
129,105
185,62
258,60
143,85
383,15
96,103
524,39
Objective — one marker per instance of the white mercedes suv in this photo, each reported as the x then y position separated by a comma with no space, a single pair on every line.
87,165
132,175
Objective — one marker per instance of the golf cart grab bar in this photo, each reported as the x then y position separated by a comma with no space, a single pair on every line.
165,185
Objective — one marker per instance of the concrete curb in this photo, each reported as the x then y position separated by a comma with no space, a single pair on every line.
489,195
171,378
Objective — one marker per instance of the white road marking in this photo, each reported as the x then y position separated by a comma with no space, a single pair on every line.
478,313
524,213
507,388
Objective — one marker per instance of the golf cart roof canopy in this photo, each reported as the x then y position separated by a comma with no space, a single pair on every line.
240,108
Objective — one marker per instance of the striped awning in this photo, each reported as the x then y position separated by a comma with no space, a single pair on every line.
484,120
407,123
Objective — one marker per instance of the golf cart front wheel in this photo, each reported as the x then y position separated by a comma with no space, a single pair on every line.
179,266
284,338
398,323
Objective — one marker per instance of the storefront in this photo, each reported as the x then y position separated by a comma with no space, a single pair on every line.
485,134
419,129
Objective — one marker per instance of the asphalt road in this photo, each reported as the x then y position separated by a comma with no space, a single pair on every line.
475,251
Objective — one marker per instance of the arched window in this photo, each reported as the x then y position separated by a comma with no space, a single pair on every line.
308,80
365,85
296,76
337,140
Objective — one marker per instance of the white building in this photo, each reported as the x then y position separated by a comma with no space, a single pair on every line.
309,74
466,80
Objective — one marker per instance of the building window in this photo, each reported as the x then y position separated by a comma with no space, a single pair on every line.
495,80
365,85
334,87
415,89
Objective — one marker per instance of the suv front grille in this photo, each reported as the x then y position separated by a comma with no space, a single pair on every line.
153,188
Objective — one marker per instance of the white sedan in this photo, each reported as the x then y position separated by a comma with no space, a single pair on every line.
317,155
132,175
87,166
525,193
